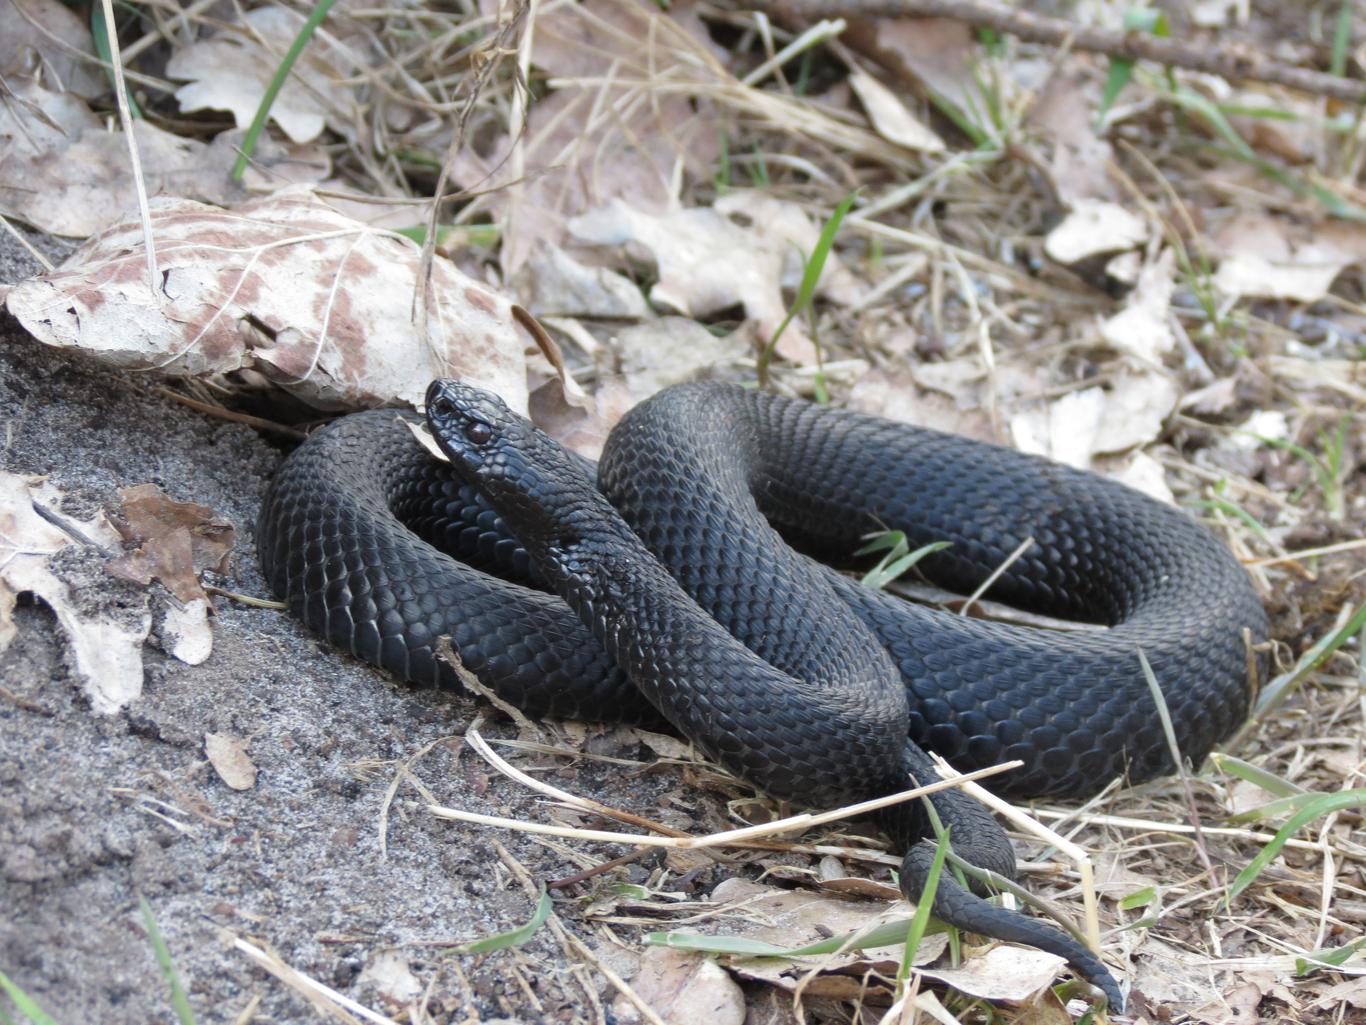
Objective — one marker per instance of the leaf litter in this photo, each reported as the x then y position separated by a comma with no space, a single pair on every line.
655,201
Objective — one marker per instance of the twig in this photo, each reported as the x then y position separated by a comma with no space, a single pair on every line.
1233,61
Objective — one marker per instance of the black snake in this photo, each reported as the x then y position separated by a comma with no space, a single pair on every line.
789,674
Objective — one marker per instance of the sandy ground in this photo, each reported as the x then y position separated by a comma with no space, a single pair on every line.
95,811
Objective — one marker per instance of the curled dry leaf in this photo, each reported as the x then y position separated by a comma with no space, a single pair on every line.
176,542
318,303
49,35
890,117
232,69
106,644
1083,424
61,170
1142,329
938,54
228,756
1065,115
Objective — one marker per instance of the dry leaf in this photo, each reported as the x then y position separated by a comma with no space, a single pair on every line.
890,117
1093,227
554,284
315,301
1066,115
938,53
658,353
176,541
232,69
61,170
708,263
1141,329
105,646
599,134
48,35
1083,424
795,918
228,756
1273,258
1005,972
688,988
392,977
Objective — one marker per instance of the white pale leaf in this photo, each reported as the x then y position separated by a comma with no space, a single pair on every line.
889,115
1093,227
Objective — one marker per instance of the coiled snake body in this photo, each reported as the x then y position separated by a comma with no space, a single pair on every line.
789,674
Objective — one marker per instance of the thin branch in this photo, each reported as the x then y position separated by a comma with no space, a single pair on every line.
1233,61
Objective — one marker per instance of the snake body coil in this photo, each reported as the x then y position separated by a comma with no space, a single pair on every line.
829,679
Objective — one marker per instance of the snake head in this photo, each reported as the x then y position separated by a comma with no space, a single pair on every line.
529,477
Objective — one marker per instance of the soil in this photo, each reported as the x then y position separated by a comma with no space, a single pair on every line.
97,811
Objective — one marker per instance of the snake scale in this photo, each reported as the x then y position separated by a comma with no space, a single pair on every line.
679,585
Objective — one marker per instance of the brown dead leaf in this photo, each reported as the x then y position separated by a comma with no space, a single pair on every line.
937,53
228,756
1065,114
105,645
61,170
315,301
176,542
602,132
48,35
232,69
688,988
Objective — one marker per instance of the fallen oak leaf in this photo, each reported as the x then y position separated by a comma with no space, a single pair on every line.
317,302
176,542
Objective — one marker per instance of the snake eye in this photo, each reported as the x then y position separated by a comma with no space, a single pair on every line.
478,432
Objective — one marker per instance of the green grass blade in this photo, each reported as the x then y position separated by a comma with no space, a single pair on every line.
1275,809
1325,805
1328,957
1283,686
100,35
513,937
179,1001
887,571
885,935
921,920
1342,39
277,82
1255,775
25,1003
1139,898
811,276
886,540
